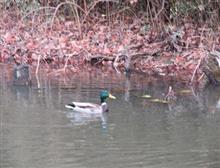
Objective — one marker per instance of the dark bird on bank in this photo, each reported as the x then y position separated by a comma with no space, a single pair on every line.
21,74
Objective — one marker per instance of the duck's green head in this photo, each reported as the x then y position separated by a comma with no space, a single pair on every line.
104,94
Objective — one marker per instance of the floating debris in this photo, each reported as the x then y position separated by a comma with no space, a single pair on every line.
68,87
146,96
185,91
159,101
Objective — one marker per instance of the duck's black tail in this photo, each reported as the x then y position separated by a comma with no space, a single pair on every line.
70,106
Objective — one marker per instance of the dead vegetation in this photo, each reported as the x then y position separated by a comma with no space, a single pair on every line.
64,36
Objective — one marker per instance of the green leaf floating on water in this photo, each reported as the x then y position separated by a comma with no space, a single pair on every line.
146,96
159,101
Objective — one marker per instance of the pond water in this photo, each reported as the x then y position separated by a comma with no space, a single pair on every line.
37,131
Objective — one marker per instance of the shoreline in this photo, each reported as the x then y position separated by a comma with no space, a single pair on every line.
178,53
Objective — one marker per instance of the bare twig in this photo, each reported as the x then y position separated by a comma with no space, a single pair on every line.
170,96
161,9
36,10
77,17
115,63
197,67
66,63
92,7
38,65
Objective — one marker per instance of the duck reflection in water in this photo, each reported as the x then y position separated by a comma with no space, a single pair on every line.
78,118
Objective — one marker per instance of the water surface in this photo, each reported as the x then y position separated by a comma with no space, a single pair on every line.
37,131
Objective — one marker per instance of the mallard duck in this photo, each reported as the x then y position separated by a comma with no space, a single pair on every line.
85,107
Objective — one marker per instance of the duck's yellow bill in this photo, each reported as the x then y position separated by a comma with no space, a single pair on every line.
111,96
